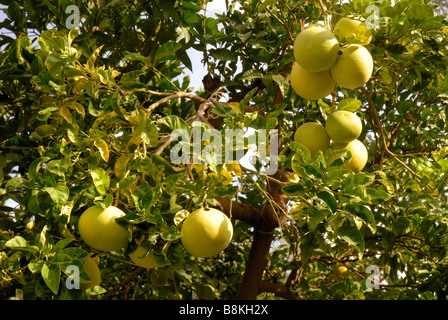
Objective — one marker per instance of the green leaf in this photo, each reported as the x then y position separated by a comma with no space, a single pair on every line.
329,199
306,247
100,179
276,110
95,134
135,56
174,123
150,135
349,104
351,235
375,194
121,167
282,82
35,265
190,17
45,130
51,274
224,111
59,193
103,149
266,3
62,259
315,216
61,244
293,190
58,167
223,55
248,97
75,253
302,153
251,74
167,49
360,211
14,183
19,243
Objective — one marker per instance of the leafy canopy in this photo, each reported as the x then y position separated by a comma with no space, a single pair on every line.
87,115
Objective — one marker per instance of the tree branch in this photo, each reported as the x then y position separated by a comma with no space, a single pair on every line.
279,290
176,95
123,282
383,134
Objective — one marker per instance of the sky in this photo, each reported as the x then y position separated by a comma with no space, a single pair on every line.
199,70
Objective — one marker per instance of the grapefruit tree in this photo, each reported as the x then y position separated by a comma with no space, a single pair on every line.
88,113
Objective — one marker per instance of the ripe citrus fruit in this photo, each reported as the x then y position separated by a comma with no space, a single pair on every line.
93,271
311,85
352,31
206,232
98,228
343,126
142,257
316,48
353,68
313,136
358,151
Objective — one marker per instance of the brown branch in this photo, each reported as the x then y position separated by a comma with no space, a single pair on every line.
383,134
123,282
272,215
176,95
240,211
258,256
278,290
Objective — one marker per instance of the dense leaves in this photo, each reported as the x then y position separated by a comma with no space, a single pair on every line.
87,115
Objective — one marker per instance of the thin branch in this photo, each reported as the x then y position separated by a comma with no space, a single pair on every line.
383,134
278,290
291,37
176,95
123,282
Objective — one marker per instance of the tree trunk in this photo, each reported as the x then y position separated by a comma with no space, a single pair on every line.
256,264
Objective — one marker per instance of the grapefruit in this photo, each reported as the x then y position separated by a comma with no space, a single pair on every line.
352,31
313,136
353,68
358,151
93,271
206,232
142,257
311,85
316,48
98,228
343,126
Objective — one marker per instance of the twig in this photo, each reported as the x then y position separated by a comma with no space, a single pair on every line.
383,134
291,37
123,282
176,95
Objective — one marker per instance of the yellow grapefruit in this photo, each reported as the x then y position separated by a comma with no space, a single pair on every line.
93,271
353,68
313,136
352,31
343,126
358,151
311,85
206,232
142,257
316,48
98,228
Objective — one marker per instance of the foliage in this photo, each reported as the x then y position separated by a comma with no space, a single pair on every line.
87,115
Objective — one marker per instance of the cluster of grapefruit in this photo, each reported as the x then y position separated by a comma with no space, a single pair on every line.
324,58
340,133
